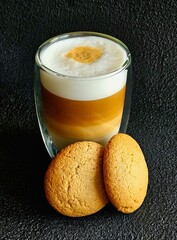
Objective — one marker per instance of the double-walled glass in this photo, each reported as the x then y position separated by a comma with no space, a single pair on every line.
75,108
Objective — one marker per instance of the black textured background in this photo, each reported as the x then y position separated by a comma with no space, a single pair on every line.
149,28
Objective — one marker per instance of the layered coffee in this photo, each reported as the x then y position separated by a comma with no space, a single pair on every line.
83,90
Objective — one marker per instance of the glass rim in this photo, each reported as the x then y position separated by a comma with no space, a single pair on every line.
63,36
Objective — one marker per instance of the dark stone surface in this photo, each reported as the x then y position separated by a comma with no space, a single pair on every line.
149,28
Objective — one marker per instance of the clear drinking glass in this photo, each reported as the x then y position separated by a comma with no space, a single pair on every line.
74,108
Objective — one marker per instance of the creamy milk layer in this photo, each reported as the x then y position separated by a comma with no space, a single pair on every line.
84,81
60,141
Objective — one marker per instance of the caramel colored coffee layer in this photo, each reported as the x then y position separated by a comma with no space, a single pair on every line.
88,118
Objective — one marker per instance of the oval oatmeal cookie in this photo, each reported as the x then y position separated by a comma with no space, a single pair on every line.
74,180
125,173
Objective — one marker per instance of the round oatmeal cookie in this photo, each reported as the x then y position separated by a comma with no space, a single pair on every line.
73,182
125,173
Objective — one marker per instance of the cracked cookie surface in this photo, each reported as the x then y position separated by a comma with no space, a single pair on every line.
125,173
74,180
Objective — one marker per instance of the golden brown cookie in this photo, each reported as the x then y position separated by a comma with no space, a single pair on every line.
74,180
125,173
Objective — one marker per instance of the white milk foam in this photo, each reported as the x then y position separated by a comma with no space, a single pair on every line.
81,81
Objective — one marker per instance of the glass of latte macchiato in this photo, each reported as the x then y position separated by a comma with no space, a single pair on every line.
83,83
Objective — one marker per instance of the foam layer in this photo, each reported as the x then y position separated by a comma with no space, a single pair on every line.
84,88
113,57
